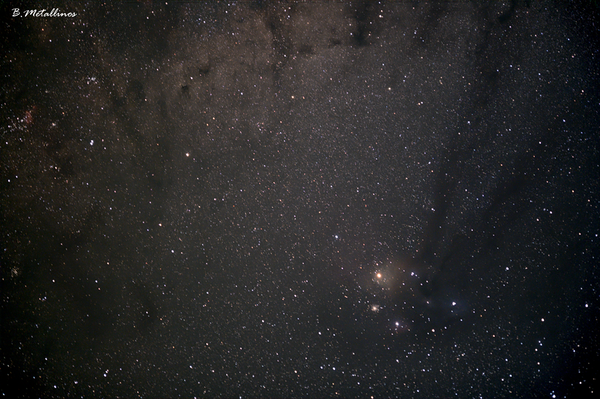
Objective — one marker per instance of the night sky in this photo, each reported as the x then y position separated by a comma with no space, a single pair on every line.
324,199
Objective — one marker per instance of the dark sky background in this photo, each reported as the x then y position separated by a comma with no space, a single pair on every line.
271,199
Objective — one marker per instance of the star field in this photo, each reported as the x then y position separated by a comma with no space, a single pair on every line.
280,199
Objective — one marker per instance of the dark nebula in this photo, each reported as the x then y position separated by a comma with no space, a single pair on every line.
300,199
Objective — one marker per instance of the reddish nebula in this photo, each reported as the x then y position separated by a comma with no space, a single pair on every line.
28,118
